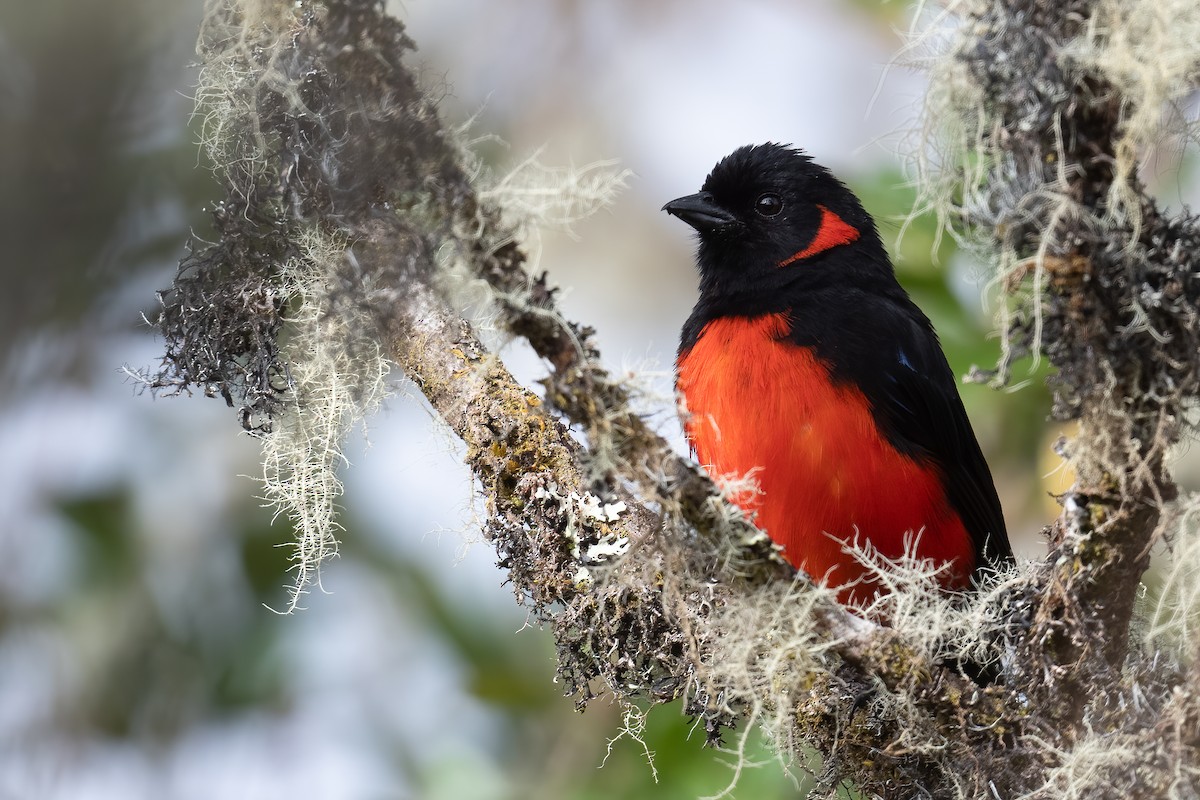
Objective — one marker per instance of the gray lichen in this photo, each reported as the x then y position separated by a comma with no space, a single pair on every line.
357,232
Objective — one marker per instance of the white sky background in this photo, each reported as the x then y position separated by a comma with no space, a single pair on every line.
666,92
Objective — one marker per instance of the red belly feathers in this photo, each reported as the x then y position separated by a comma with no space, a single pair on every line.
826,475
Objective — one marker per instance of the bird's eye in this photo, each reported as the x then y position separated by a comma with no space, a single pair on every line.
768,205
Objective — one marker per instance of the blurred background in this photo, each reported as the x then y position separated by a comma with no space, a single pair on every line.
139,657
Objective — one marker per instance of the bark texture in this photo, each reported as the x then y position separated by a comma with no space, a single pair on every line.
351,222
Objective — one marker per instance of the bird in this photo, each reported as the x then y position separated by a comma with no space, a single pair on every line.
806,367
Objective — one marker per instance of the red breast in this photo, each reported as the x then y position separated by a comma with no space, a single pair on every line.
763,407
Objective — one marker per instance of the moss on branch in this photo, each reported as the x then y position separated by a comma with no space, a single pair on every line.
353,219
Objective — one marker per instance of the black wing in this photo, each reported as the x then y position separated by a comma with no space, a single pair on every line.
920,411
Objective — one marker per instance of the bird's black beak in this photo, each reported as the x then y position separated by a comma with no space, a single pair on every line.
700,211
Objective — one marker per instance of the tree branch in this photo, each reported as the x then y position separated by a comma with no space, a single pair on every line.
351,223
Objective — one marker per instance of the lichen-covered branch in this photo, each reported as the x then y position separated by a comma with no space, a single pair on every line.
1054,105
357,234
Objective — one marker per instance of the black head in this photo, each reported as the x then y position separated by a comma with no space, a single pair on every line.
769,218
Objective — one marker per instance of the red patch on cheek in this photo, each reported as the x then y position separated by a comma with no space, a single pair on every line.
832,232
